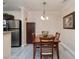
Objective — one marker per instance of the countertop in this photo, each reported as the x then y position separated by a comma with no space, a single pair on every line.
9,31
5,32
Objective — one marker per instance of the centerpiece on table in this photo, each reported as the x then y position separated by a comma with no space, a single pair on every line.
45,33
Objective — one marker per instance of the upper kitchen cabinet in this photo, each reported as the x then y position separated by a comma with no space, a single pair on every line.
7,16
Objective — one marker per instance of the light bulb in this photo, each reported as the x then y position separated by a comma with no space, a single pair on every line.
47,18
42,18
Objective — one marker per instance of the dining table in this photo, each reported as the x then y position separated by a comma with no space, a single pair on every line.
36,41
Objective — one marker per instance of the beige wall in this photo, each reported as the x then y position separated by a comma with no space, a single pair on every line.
24,15
51,25
68,35
17,14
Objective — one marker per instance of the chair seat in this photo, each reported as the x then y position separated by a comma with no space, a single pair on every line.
46,53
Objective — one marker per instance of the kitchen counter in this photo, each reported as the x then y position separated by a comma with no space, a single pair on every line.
9,31
5,32
7,44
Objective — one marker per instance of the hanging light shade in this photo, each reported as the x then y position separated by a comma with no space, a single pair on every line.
44,17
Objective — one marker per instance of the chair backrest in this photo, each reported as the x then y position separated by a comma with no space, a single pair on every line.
46,46
33,36
46,40
57,35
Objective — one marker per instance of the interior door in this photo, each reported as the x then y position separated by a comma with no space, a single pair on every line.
30,28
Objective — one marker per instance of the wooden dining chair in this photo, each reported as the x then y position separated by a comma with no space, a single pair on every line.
56,45
35,46
46,47
33,36
57,35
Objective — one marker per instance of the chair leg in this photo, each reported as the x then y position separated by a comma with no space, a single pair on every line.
52,53
57,51
40,55
52,56
40,52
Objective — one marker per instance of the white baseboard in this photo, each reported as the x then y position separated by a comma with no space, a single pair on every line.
66,48
23,45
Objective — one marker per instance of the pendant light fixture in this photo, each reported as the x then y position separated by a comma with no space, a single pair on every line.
44,17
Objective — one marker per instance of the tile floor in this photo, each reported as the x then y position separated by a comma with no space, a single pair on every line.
26,53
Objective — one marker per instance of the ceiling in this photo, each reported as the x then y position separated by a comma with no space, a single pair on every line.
32,5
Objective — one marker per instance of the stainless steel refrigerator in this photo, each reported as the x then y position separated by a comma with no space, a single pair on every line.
15,27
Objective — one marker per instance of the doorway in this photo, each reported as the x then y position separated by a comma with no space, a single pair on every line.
30,28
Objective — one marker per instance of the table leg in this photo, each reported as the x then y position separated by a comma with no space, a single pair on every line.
34,51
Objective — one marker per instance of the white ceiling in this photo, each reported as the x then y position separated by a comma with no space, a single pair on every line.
32,5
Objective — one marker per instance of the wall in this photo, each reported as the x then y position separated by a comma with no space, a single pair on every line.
17,14
51,25
24,14
68,35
